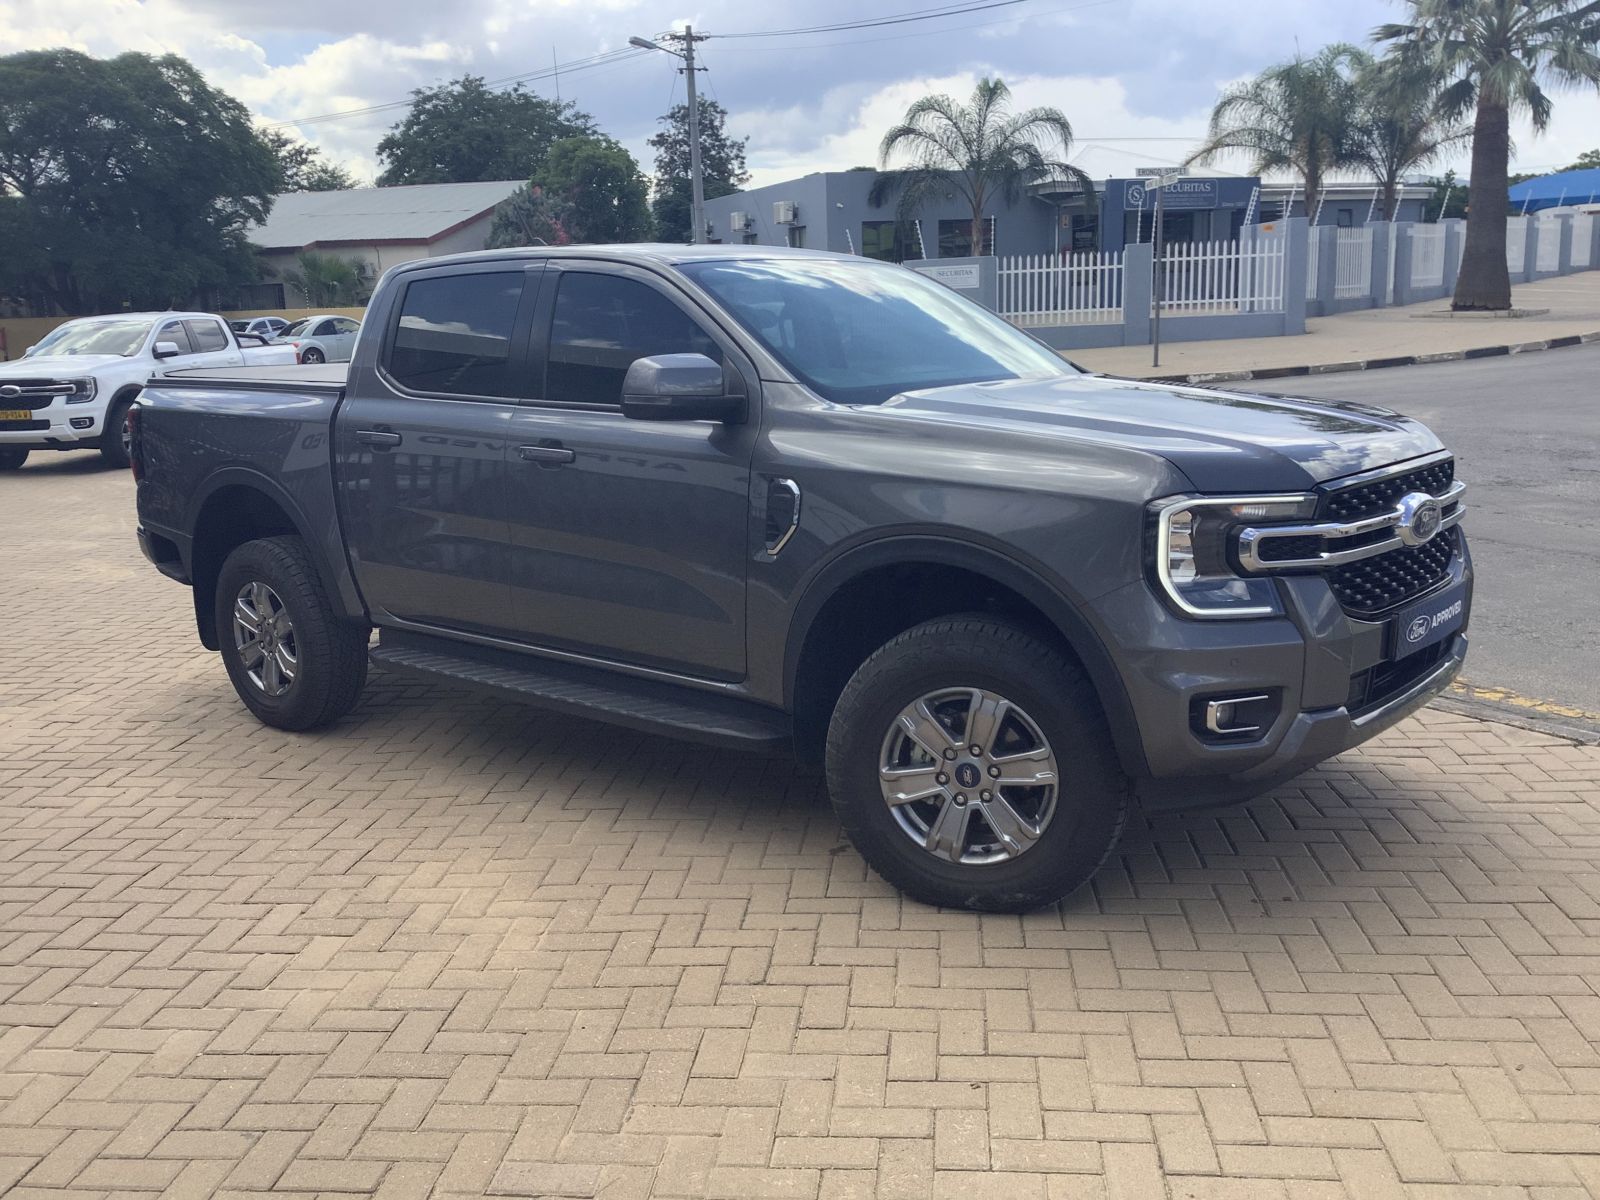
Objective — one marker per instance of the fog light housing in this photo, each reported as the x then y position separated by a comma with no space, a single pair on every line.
1234,716
82,422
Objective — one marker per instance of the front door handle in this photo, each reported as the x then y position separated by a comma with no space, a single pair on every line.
545,454
384,439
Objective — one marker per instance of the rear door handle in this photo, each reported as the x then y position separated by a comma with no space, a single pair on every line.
384,439
545,454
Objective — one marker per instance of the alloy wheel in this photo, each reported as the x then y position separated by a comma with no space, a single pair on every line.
264,636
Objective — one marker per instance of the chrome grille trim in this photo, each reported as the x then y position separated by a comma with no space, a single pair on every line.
1252,540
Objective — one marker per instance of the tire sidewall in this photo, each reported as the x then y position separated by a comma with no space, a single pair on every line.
12,458
313,357
251,562
1089,796
111,448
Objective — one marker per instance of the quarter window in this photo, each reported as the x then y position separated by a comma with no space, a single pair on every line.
454,335
602,323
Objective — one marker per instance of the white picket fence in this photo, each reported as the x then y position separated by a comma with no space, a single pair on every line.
1583,240
1516,243
1038,289
1549,245
1427,256
1224,277
1352,275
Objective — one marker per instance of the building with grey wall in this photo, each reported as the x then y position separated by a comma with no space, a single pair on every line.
832,210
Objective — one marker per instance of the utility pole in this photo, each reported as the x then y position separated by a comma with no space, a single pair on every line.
697,184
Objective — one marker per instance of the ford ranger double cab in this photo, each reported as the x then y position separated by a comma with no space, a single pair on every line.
73,389
766,498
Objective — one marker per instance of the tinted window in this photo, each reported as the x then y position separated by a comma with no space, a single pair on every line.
173,332
601,324
206,336
860,332
327,329
345,325
454,335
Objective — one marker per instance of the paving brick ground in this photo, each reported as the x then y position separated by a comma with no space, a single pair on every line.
458,948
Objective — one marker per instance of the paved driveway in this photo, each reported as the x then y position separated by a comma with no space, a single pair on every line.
461,948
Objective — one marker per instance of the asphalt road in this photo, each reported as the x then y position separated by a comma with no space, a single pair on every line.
1526,433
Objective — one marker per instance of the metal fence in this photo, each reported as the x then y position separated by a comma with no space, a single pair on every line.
1224,277
1038,289
1427,256
1352,274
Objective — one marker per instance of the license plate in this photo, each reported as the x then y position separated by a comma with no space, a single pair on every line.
1429,621
15,414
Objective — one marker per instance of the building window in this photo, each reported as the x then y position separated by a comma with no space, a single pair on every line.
955,238
1346,218
797,237
877,240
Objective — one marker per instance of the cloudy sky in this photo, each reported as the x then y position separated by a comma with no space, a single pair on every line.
1136,77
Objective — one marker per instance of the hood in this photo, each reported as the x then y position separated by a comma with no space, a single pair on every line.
1222,441
63,366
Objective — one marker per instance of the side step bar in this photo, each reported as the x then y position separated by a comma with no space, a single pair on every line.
644,704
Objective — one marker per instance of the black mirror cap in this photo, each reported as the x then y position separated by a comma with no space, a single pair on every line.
679,387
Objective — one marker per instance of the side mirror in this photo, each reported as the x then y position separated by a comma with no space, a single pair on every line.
165,350
29,351
678,387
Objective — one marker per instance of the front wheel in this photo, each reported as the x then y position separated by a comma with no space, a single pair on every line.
12,458
292,660
311,356
969,762
116,440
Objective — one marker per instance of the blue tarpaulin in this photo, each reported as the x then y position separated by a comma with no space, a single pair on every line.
1547,191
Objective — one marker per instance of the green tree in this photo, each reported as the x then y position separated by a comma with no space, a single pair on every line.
302,168
328,281
1303,115
602,185
1495,56
1589,160
136,180
980,151
466,132
1400,127
1449,198
530,217
721,166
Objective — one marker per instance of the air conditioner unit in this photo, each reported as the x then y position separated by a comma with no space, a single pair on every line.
784,212
740,222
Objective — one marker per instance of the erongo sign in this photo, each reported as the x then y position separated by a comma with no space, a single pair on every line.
1181,194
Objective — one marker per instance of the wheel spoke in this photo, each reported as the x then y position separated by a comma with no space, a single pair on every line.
984,719
904,785
271,681
285,663
261,600
1016,833
246,616
251,654
1022,777
947,836
921,727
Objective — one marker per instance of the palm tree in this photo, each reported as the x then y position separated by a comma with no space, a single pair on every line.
1301,115
980,151
1401,127
325,280
1494,56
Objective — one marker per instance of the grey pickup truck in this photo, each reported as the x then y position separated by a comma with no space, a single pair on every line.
766,498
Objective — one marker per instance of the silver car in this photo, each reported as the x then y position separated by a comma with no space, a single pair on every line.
322,338
265,328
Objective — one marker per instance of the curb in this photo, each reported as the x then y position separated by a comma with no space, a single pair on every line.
1376,364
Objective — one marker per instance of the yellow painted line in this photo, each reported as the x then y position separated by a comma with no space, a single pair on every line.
1545,708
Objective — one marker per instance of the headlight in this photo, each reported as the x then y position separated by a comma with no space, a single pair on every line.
83,391
1190,553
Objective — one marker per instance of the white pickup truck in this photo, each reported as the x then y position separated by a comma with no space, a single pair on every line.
73,389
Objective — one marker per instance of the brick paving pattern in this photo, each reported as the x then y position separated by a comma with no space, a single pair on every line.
457,948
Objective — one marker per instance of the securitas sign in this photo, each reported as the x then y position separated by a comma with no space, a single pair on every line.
1182,194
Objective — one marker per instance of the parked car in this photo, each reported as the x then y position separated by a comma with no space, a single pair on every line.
759,497
320,339
73,389
263,327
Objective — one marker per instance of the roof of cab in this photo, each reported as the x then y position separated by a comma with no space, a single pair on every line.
654,253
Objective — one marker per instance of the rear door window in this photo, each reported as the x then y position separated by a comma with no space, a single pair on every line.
454,335
206,336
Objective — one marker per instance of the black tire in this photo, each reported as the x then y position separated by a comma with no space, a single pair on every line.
330,654
12,458
112,446
312,356
1091,794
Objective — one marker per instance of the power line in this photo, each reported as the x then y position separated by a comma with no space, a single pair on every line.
920,14
896,37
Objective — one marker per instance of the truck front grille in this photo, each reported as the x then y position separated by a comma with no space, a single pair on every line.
1374,585
1379,495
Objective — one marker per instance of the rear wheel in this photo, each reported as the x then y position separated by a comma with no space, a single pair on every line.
12,458
116,440
293,662
312,355
969,761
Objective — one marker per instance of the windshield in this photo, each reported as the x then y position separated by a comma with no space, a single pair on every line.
861,332
122,337
298,329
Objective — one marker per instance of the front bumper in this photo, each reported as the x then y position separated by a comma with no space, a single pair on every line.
1329,672
59,426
